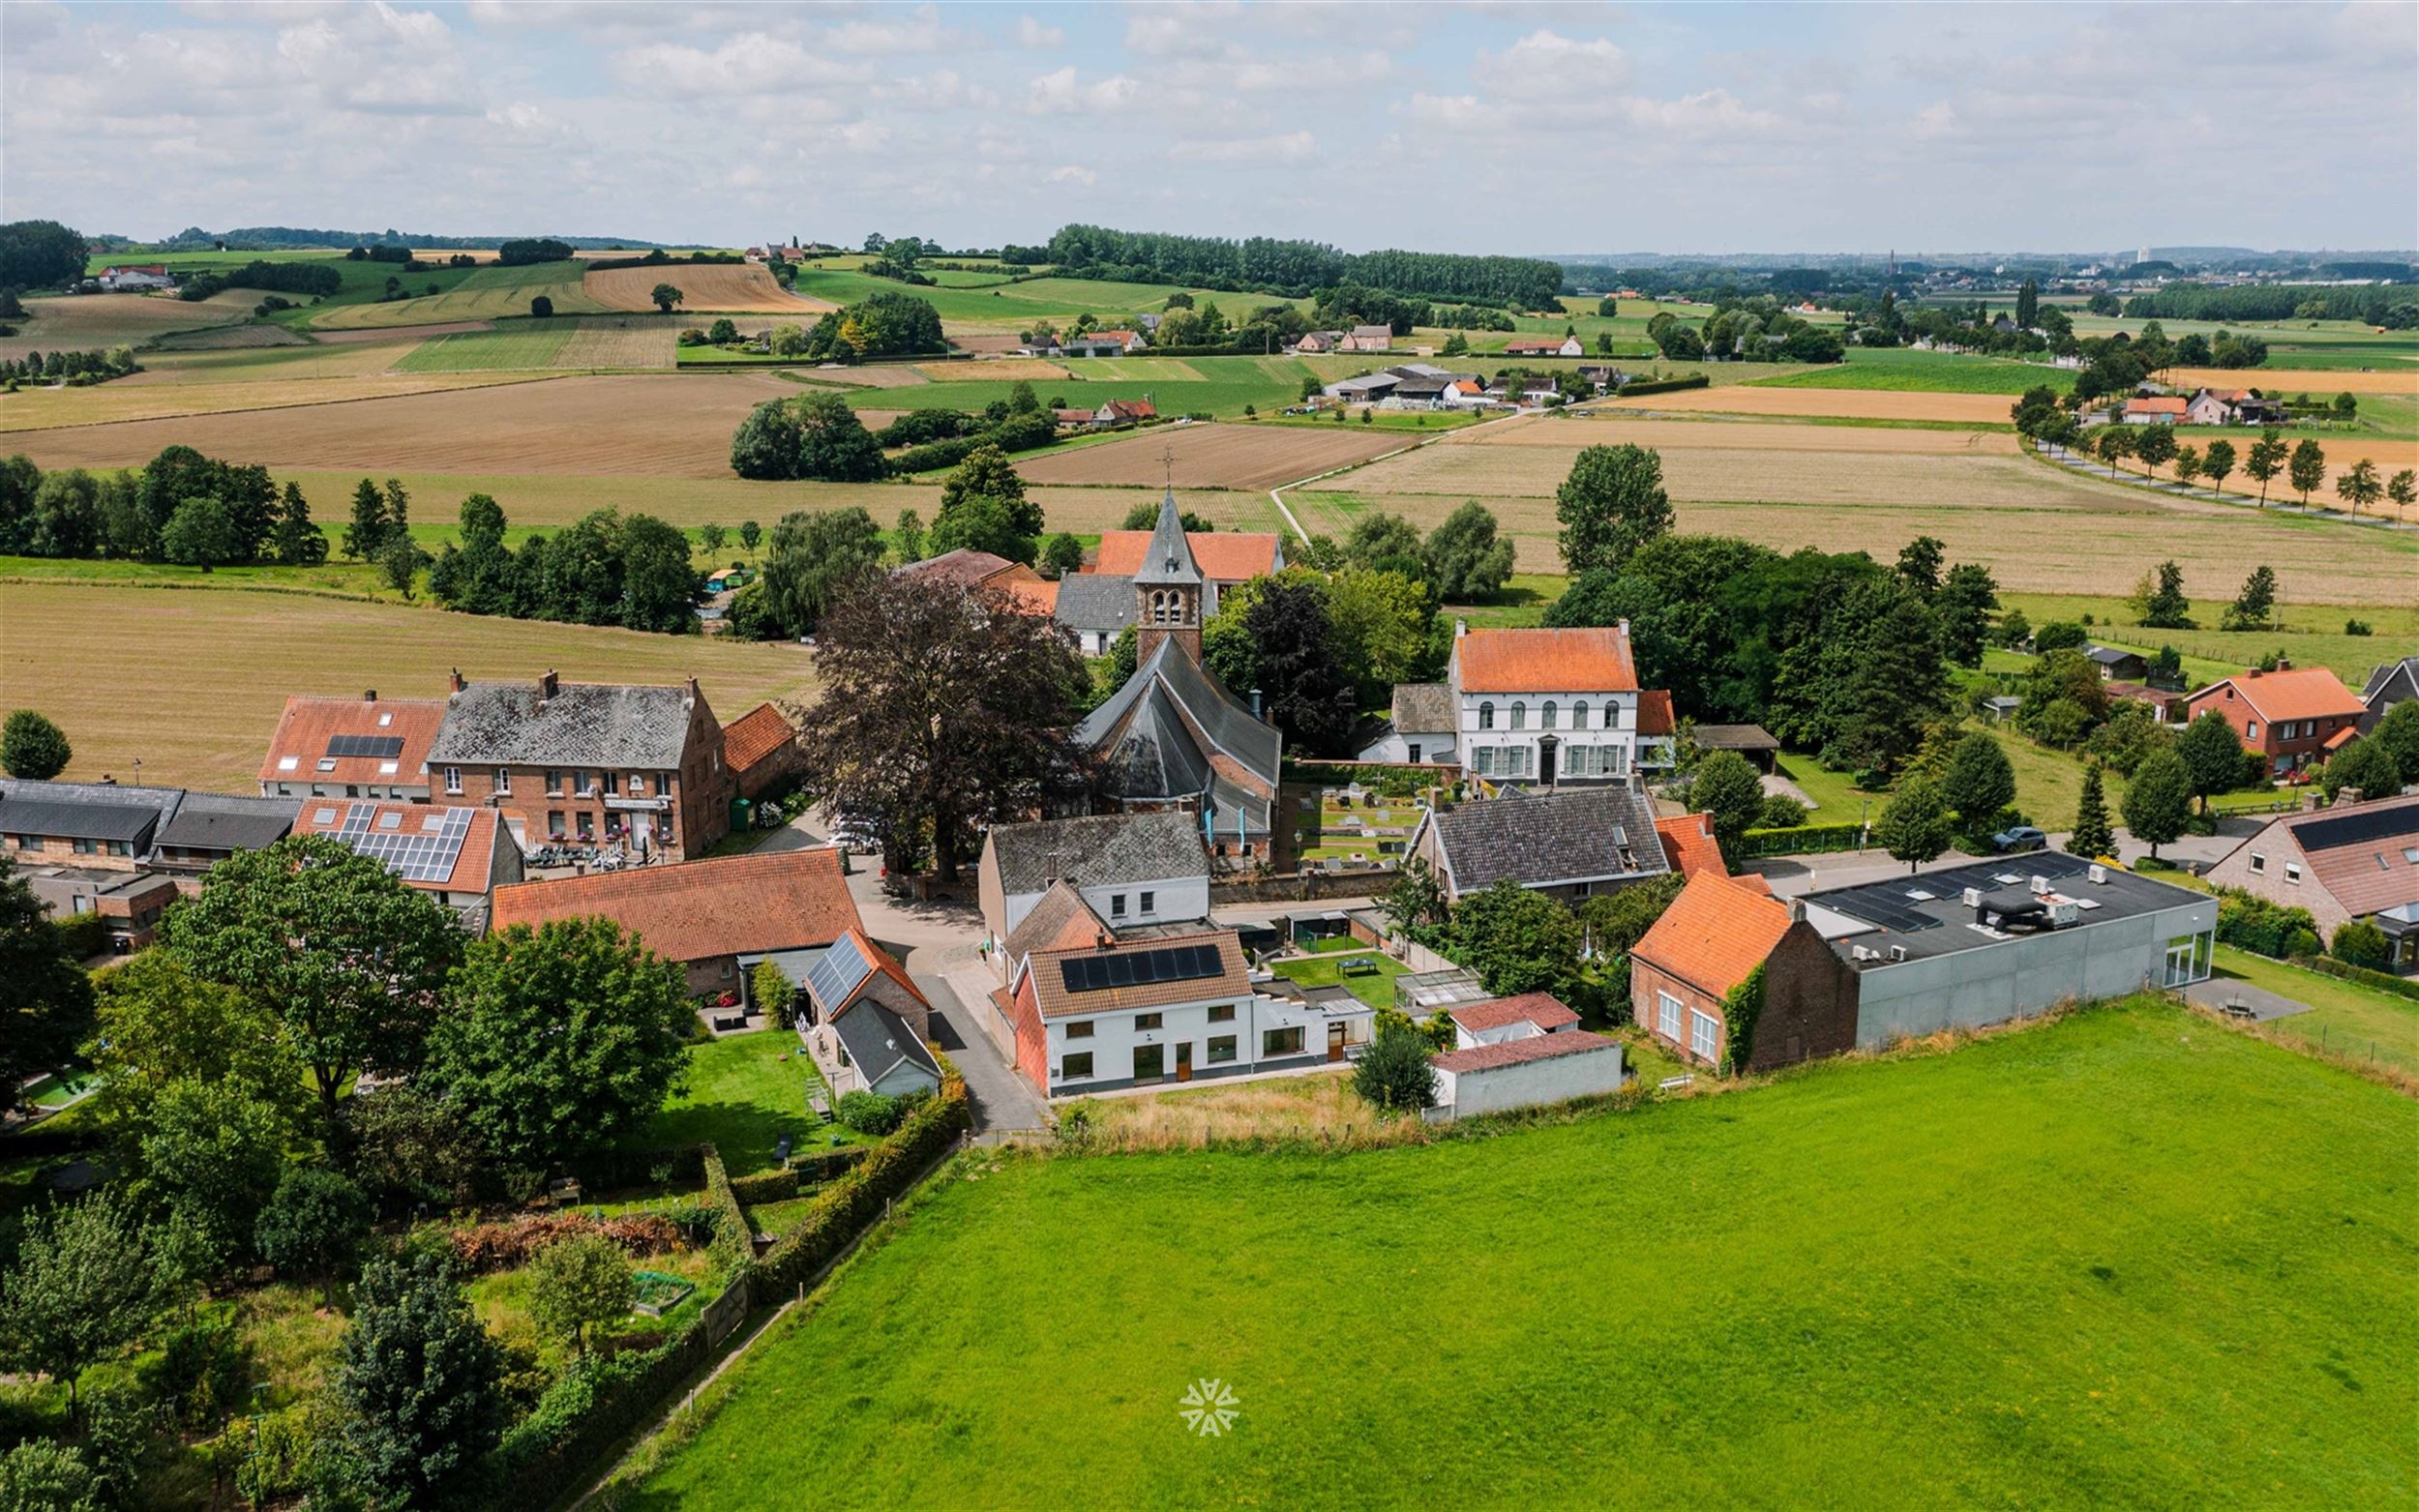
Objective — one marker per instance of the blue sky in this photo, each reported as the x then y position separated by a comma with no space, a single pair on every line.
1562,129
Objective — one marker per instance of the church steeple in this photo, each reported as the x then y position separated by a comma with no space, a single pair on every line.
1166,588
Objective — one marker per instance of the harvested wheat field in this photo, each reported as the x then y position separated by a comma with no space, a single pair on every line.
2404,380
81,323
223,337
1086,512
41,420
201,702
1842,404
1213,456
997,369
264,363
878,375
658,425
547,500
1718,431
731,288
398,333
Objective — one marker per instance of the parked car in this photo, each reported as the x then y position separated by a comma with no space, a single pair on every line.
2018,836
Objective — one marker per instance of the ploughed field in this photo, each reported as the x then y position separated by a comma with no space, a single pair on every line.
1221,456
2129,1257
731,288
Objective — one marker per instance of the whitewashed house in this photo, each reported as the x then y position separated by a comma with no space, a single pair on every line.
1419,729
1520,1052
1128,868
1546,706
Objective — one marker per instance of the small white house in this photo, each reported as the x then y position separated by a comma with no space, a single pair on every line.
1524,1071
135,279
1128,868
1419,729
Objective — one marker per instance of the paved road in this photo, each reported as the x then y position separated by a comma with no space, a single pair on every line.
1004,1102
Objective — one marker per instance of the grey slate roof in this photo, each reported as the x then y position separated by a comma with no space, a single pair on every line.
878,1040
1169,558
1098,851
228,822
1151,746
2400,677
1095,602
84,811
1540,840
1423,708
612,724
1734,737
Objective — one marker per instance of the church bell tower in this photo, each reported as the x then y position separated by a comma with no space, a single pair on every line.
1166,588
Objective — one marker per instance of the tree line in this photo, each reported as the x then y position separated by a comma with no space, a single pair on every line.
74,368
818,436
40,255
282,277
2393,307
603,570
180,507
1268,265
881,325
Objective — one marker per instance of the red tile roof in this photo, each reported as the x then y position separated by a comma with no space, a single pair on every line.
1042,598
1542,1009
2299,692
882,962
1689,846
783,899
1715,934
1543,660
1511,1053
1655,715
1535,343
309,723
2369,874
1222,555
1049,982
474,864
755,735
2153,407
1131,410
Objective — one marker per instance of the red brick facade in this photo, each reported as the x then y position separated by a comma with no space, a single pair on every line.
2287,716
1810,1005
594,806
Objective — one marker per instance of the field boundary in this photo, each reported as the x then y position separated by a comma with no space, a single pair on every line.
2077,463
230,585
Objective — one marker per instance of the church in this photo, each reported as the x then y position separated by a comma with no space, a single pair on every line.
1173,737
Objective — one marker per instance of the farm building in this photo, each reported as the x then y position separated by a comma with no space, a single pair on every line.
967,569
2115,662
123,853
1129,869
761,747
1705,947
1752,741
1118,412
866,1022
2351,861
1568,845
1544,347
352,747
1520,1052
1103,344
2290,717
1318,343
1419,729
209,827
136,277
2154,410
456,855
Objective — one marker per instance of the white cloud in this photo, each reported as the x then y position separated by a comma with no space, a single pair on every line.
750,64
1032,33
1062,93
1292,147
1547,64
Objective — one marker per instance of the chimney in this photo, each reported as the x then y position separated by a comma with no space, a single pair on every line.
2283,664
368,696
1461,628
458,684
1624,627
690,702
548,685
1797,910
1255,703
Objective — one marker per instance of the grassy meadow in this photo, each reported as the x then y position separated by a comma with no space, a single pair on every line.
2128,1257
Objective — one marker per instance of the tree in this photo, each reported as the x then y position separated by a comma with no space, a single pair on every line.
2113,443
577,1282
2345,409
367,531
296,540
979,522
1064,555
2404,489
540,306
1382,624
945,706
1467,560
2187,465
201,533
1963,606
415,1379
665,297
1979,783
722,332
1725,786
813,559
1919,565
711,536
1393,1074
313,1226
1145,515
765,446
2163,607
1307,693
2365,764
2156,447
45,1475
987,473
2218,463
2360,488
2255,607
207,1153
1415,900
2028,304
1915,825
557,1043
2157,805
750,533
1896,686
2093,835
1385,543
398,563
83,1287
45,998
2398,732
1517,941
1611,504
33,748
2307,469
833,444
1616,922
348,957
2265,460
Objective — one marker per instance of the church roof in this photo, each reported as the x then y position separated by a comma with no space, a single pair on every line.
1169,558
1162,729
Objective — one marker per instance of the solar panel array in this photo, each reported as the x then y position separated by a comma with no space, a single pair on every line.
365,746
1896,905
2361,825
836,975
424,854
1176,963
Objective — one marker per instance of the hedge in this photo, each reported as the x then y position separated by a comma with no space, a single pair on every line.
82,935
854,1201
734,1240
2382,981
1800,841
815,1165
2264,928
1664,385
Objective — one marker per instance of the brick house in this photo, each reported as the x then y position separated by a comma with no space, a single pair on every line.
2352,861
640,764
2292,717
352,747
1708,942
1569,845
761,747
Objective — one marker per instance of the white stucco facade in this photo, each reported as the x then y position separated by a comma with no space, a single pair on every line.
1596,734
1173,900
1238,1036
1531,1083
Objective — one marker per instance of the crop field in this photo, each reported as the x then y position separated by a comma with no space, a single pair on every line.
1033,369
563,343
97,427
738,288
223,337
1213,457
2322,384
878,375
395,335
1939,372
282,363
1566,431
198,705
1007,307
1875,1302
1223,387
657,425
477,294
83,322
1762,399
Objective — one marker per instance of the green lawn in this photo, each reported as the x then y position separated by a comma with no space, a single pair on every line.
743,1096
1904,369
1325,969
528,344
2346,1016
2128,1257
1837,800
2314,636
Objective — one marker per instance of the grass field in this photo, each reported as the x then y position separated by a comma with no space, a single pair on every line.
2345,1017
198,701
1374,988
469,294
2125,1258
1222,386
2312,638
745,1091
84,322
1902,368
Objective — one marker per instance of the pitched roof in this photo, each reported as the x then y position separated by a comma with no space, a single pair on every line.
1655,715
2361,853
473,868
852,961
755,735
1041,597
1110,335
26,810
1734,737
1167,552
1542,1009
2403,674
1512,1053
878,1040
1048,979
1543,660
1131,410
2298,693
1715,934
227,821
1542,840
395,733
2155,406
1690,844
1098,601
961,566
615,725
1377,332
1098,850
1149,728
695,910
1423,708
1220,555
1059,920
1535,343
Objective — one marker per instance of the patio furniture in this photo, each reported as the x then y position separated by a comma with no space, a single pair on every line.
781,1150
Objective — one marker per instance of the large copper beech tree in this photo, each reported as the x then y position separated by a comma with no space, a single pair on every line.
943,706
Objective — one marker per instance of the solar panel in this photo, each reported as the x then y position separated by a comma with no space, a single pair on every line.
365,746
421,857
1141,968
2362,824
836,975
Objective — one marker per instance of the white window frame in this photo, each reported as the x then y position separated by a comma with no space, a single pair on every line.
503,782
1704,1034
453,779
2292,873
2258,864
1668,1016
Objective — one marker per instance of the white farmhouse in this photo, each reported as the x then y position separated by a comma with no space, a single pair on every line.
1129,869
1547,706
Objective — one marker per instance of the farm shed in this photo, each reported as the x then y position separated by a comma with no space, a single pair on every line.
1752,741
1524,1073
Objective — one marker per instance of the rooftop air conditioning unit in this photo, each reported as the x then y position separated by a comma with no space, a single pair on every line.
2062,915
1897,951
1973,897
2040,884
1860,953
2097,873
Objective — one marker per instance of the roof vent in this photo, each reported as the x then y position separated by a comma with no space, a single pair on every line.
1973,897
548,685
1897,951
2097,873
368,696
2040,884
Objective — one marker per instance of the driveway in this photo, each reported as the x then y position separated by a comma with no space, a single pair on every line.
1004,1102
2222,993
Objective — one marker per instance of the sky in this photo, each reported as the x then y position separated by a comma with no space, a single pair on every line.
1517,128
